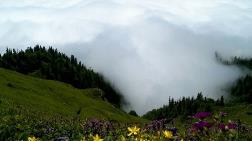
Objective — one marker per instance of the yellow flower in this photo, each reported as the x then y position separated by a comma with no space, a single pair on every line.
32,139
97,138
167,134
133,130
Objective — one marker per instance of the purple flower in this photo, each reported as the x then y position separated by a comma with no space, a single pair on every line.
201,125
173,130
221,126
96,126
231,125
156,125
202,115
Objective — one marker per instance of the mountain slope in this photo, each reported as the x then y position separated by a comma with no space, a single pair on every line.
54,98
50,64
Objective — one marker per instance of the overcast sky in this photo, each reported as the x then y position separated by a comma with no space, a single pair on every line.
148,49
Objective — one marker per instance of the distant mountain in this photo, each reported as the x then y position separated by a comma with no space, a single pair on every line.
53,65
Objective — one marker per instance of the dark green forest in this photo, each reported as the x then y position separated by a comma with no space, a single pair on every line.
184,107
51,64
242,90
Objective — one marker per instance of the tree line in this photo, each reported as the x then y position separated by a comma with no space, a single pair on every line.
184,107
242,89
51,64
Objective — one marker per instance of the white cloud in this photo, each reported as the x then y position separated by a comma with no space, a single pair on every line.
149,49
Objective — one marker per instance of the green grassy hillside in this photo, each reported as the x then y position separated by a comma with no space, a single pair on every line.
241,111
52,98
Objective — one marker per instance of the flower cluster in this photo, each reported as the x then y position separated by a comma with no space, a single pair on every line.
202,115
156,125
202,126
208,127
96,126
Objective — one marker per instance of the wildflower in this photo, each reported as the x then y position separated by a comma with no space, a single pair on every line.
226,127
231,125
133,130
201,125
202,115
167,134
95,125
97,138
32,139
156,125
221,126
173,130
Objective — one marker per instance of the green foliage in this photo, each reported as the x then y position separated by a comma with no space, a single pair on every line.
237,111
243,62
133,113
19,124
53,65
242,90
183,107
